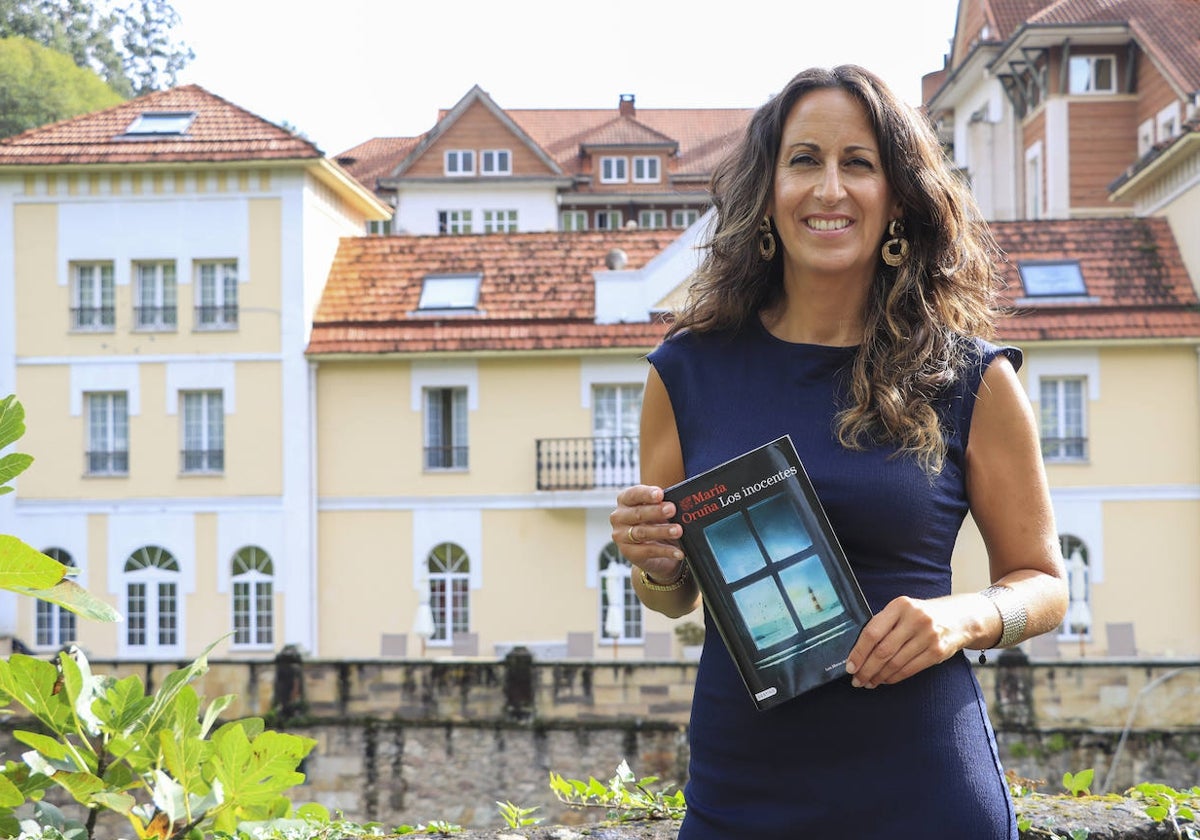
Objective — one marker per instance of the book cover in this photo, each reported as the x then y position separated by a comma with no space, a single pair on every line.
771,571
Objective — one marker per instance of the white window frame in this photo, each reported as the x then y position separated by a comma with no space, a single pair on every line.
573,220
107,429
54,627
459,163
156,296
495,162
1167,122
216,295
1063,420
1035,186
614,170
616,409
684,218
379,227
449,569
647,169
609,219
1145,137
93,297
500,221
202,415
633,626
652,219
437,426
452,222
157,572
1079,86
252,599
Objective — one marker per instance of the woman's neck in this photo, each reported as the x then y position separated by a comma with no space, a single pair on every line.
833,320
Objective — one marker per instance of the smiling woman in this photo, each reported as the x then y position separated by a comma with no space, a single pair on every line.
844,299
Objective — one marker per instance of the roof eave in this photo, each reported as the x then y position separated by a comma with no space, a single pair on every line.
1122,190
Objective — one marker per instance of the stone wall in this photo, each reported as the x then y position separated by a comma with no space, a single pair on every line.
405,742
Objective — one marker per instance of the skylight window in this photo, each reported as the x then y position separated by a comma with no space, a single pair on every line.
162,122
449,291
1052,279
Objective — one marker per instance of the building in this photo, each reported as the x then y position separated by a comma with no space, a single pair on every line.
485,169
1075,123
166,258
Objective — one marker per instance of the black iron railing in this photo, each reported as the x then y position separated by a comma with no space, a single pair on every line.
93,318
107,462
1065,448
446,457
154,317
224,316
586,463
203,460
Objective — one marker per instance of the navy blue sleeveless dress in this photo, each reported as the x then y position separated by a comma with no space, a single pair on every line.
913,760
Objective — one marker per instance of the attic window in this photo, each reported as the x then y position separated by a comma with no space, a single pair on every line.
1052,279
449,291
162,122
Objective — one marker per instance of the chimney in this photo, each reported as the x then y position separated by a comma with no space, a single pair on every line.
625,106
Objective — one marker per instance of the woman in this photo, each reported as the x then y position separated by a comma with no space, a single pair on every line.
844,299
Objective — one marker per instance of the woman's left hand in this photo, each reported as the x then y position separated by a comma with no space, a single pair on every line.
910,635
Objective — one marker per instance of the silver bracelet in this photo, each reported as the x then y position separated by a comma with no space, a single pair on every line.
1013,616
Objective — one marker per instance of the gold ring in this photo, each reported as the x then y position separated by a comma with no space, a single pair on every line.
629,536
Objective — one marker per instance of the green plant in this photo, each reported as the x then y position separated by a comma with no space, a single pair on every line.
625,796
155,759
1166,804
515,816
689,633
24,569
1079,784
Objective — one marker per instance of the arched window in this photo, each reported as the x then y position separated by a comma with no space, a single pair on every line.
630,608
449,591
55,626
152,617
253,597
1078,623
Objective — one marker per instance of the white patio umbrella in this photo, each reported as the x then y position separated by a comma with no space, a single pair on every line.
614,592
1079,614
423,619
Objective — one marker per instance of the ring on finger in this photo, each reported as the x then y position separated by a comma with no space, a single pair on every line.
632,539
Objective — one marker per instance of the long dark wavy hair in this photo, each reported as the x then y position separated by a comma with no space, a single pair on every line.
917,316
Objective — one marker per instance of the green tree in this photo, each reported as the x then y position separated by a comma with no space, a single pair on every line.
131,46
39,86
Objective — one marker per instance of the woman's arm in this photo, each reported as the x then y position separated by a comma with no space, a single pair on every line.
641,526
1010,503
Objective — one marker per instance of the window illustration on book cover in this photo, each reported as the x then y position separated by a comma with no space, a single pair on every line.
771,570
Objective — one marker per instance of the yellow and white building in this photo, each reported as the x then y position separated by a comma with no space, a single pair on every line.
162,262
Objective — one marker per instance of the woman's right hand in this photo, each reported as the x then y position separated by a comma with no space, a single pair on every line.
642,530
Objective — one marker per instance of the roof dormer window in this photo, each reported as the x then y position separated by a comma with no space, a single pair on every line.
440,292
614,170
1092,74
162,123
1052,279
645,170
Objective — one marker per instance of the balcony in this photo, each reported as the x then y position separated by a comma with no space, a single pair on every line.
1065,448
98,318
587,463
106,462
221,317
202,460
154,317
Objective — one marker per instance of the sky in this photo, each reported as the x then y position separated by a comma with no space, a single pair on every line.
358,69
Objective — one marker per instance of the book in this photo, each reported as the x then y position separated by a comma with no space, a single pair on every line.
771,570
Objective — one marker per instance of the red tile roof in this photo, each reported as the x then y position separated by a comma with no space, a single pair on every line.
537,289
1168,29
536,293
1008,15
221,131
703,135
376,158
1137,285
